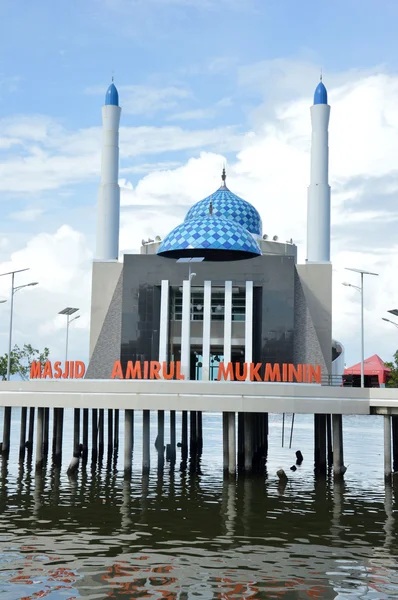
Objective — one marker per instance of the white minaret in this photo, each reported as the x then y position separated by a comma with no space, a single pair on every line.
109,192
318,211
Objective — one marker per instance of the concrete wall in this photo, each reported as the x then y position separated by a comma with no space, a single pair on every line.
106,317
313,315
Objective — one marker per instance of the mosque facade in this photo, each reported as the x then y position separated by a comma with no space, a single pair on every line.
215,290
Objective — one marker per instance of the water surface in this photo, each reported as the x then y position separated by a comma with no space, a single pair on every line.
181,536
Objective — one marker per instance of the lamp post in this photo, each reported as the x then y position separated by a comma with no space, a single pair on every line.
360,289
68,311
13,291
388,321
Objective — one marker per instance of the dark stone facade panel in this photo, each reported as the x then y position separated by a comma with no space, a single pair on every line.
273,278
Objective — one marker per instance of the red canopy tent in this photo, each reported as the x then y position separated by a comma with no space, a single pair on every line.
373,366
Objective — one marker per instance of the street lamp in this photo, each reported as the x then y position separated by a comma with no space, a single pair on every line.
68,311
360,289
189,260
388,321
13,291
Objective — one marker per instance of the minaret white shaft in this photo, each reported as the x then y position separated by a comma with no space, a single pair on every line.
318,212
109,191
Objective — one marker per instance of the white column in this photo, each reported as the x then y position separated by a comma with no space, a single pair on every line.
109,191
164,321
318,212
206,331
186,329
228,322
249,325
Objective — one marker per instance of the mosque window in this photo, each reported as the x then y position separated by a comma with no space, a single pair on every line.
217,304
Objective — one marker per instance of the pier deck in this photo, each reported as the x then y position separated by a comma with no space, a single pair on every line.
206,396
244,406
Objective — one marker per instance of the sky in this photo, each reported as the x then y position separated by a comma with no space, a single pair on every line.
201,82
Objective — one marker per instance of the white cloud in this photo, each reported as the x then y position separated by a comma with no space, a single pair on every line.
53,157
61,264
30,214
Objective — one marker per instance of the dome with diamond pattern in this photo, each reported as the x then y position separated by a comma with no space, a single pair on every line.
229,206
210,237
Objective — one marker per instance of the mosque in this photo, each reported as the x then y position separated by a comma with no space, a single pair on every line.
215,290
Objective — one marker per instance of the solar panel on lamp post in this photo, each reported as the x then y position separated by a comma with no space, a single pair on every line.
68,311
360,289
189,260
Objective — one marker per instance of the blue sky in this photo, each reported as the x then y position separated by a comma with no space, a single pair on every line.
200,81
52,52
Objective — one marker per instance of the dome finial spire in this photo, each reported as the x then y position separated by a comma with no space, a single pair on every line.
224,175
320,78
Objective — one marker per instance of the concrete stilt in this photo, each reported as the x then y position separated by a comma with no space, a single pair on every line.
225,427
248,443
160,439
128,441
184,436
110,432
76,431
94,435
338,458
231,443
320,444
46,432
31,431
101,433
200,431
55,425
241,442
39,439
387,447
22,438
74,464
192,433
173,436
265,435
85,435
6,432
58,416
60,432
116,430
257,434
145,442
394,425
329,436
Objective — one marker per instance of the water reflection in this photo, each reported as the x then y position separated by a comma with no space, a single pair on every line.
183,535
188,536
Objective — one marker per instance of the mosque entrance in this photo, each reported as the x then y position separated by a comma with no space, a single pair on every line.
216,357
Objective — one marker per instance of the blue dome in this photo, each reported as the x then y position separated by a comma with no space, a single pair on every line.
112,96
213,238
229,206
321,94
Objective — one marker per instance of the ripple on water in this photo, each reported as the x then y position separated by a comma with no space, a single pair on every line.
185,537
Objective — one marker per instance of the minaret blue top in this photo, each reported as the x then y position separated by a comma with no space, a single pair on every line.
321,95
112,96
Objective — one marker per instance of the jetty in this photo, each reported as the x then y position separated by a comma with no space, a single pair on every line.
244,405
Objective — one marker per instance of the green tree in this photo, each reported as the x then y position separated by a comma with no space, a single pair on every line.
393,380
21,358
